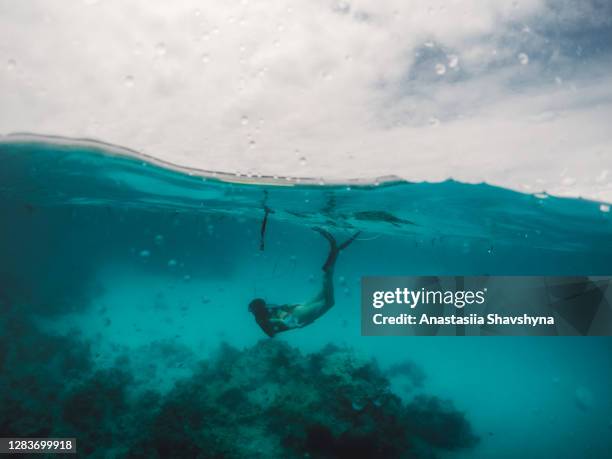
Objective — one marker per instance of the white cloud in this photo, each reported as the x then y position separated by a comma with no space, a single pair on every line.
351,86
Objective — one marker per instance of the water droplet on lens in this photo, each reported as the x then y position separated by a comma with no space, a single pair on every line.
160,49
342,7
523,58
440,69
602,176
568,181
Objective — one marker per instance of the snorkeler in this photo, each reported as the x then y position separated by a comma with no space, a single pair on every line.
274,318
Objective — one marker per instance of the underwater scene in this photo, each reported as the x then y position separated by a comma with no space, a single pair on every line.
125,287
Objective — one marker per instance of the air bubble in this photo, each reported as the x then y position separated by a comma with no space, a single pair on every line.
434,122
453,61
244,120
145,253
584,398
440,69
11,64
205,58
172,263
523,58
604,208
303,161
129,81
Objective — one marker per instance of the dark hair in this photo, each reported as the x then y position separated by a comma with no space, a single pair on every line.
257,306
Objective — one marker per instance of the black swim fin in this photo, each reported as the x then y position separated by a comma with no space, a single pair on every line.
334,248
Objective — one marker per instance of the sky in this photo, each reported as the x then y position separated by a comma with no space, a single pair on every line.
516,93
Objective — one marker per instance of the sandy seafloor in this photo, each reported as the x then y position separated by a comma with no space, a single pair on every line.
145,272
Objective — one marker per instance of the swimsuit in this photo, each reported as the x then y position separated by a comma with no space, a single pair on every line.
290,321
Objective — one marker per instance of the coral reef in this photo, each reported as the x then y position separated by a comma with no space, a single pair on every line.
266,401
271,401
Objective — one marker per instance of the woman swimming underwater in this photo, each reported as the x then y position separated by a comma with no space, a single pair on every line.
274,318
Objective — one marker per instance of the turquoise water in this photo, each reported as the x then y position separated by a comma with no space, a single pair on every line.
120,279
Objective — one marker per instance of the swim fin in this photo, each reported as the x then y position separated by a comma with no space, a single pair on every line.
334,248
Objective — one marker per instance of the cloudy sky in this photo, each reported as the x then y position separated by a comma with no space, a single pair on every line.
517,93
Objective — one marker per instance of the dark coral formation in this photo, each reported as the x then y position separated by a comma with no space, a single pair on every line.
269,400
272,401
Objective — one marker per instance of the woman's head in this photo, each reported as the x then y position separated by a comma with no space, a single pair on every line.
258,307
